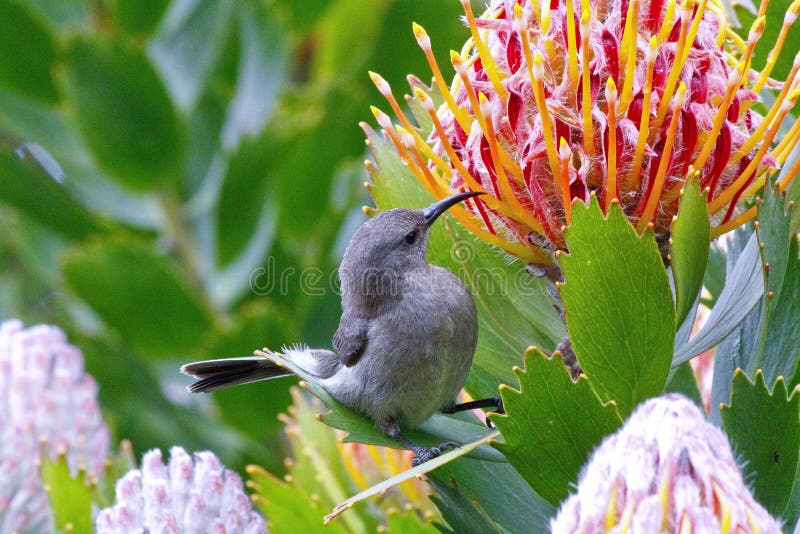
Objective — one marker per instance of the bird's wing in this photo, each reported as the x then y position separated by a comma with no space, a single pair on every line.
350,339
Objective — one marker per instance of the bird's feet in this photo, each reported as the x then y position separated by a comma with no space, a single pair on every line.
422,455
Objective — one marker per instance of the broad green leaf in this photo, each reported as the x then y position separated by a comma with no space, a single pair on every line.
138,18
29,188
311,138
500,491
28,121
396,53
70,497
187,46
690,231
27,52
714,279
141,295
683,381
776,10
241,198
551,417
62,13
300,15
781,352
287,508
435,430
124,113
319,464
462,515
764,429
515,309
618,305
347,27
737,346
742,291
777,350
407,522
260,75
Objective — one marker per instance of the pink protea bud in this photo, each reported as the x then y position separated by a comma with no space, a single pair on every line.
644,94
183,496
47,404
666,470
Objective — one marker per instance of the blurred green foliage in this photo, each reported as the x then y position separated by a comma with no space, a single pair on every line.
192,172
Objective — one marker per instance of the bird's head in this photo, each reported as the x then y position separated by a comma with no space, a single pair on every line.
391,244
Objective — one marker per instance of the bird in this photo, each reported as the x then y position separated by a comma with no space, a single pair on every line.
406,337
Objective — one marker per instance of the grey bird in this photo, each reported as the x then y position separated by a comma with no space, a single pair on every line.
405,340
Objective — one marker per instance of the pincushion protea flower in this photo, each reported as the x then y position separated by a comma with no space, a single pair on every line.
554,101
185,495
48,404
666,470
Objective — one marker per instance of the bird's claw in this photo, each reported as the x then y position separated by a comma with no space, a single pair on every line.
422,455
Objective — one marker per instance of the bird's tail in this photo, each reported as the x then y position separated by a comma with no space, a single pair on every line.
216,374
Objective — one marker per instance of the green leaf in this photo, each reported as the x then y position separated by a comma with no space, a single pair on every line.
139,294
318,465
28,121
70,497
396,54
309,144
288,509
461,514
683,381
742,291
137,17
777,350
260,74
618,305
781,353
31,190
714,279
551,417
776,10
124,113
501,492
27,52
737,346
238,214
407,522
188,44
764,428
515,309
691,232
347,30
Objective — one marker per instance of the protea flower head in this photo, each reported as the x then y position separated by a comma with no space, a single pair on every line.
554,101
186,495
48,404
666,470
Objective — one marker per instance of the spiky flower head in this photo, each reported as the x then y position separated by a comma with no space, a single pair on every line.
555,101
666,470
48,404
185,495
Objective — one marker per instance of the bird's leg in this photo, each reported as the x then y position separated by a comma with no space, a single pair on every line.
421,454
491,402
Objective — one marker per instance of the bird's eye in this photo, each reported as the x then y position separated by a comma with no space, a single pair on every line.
410,238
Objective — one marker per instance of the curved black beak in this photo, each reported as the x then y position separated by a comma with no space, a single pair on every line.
432,212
